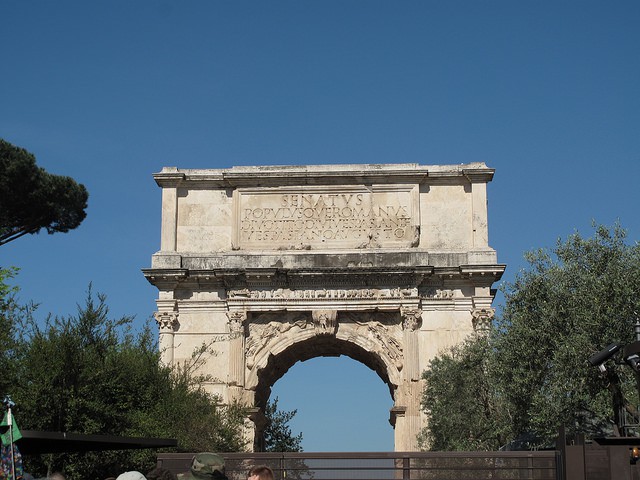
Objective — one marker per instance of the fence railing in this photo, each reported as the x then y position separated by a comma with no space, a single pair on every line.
542,465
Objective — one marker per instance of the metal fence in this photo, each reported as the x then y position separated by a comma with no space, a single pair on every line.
543,465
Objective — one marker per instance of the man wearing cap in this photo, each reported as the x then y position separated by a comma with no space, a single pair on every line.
205,465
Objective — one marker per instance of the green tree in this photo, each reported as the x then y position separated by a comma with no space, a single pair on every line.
278,436
92,374
9,309
32,199
572,301
461,401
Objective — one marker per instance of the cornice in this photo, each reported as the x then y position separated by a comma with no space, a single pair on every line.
303,175
493,271
328,277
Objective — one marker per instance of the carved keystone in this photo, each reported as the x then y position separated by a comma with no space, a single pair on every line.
325,321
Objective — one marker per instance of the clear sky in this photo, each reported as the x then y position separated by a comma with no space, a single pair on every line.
545,92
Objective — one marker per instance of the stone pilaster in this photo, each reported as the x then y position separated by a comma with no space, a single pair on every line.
405,416
168,323
255,428
479,223
411,321
236,347
408,393
169,226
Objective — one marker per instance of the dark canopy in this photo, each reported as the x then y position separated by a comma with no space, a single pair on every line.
37,442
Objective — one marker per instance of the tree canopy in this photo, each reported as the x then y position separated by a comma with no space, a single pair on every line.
93,374
32,199
532,376
460,398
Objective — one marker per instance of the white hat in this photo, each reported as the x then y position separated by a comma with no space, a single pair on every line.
131,476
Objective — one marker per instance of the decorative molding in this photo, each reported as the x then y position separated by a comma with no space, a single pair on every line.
323,293
364,317
439,293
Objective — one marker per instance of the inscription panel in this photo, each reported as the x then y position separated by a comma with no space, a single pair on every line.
327,217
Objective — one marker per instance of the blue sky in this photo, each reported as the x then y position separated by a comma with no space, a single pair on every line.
545,92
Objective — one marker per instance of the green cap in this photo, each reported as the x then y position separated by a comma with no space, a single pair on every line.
205,465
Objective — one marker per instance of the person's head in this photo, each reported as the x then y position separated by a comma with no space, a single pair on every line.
133,475
160,473
205,465
56,476
260,472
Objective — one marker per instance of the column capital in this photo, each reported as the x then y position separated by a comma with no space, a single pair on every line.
167,321
236,320
481,318
411,318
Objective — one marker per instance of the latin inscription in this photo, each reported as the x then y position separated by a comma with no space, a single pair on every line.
321,220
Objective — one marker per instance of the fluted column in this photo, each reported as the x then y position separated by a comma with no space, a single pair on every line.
411,321
236,347
409,390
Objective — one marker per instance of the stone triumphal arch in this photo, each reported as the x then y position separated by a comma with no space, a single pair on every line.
387,264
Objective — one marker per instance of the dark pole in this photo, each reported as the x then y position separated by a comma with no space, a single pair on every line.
636,328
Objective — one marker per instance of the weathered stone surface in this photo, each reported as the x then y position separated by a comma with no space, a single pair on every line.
388,264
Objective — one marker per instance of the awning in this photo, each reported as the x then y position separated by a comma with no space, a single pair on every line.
37,442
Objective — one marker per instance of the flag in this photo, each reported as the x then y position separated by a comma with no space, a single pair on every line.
7,421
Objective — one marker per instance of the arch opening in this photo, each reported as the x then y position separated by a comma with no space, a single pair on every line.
341,405
318,346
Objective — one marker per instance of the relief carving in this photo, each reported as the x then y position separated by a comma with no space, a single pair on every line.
267,328
364,318
322,293
379,331
385,342
439,294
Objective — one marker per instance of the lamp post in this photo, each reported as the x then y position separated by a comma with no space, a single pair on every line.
630,356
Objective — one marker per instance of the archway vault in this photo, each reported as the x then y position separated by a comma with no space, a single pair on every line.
387,264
